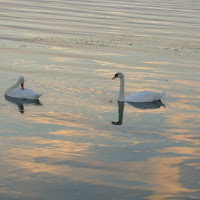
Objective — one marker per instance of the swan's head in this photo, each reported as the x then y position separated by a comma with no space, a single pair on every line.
118,75
21,82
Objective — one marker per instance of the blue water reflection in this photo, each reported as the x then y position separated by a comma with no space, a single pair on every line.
20,102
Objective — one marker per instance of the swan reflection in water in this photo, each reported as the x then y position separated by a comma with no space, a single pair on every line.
121,113
20,102
142,106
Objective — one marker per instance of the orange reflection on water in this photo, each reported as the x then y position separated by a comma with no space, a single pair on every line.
66,119
47,151
184,119
194,139
190,84
157,63
161,175
181,150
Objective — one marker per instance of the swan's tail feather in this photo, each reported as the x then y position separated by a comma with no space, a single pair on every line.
37,96
161,95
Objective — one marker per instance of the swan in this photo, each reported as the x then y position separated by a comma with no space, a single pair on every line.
21,93
143,96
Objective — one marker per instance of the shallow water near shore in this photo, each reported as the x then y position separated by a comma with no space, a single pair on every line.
77,141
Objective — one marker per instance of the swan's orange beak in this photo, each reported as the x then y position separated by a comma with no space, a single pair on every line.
22,86
114,77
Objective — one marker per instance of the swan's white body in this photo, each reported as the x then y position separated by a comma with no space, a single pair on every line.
16,92
144,96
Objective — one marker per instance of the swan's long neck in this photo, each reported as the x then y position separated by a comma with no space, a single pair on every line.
121,92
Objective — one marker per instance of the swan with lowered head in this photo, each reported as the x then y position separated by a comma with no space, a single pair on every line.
143,96
20,92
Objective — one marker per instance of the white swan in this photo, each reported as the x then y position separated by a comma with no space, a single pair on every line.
144,96
21,93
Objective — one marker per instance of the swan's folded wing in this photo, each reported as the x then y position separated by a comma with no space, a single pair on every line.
16,93
30,94
24,94
145,96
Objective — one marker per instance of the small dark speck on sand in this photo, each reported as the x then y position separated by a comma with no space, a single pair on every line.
110,101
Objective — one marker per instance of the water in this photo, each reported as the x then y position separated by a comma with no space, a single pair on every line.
77,142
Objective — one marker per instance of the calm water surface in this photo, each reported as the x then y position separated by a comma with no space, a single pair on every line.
78,142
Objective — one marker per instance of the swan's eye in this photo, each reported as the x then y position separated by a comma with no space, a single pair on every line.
116,75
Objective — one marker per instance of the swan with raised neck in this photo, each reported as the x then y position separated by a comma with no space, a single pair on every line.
121,91
143,96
